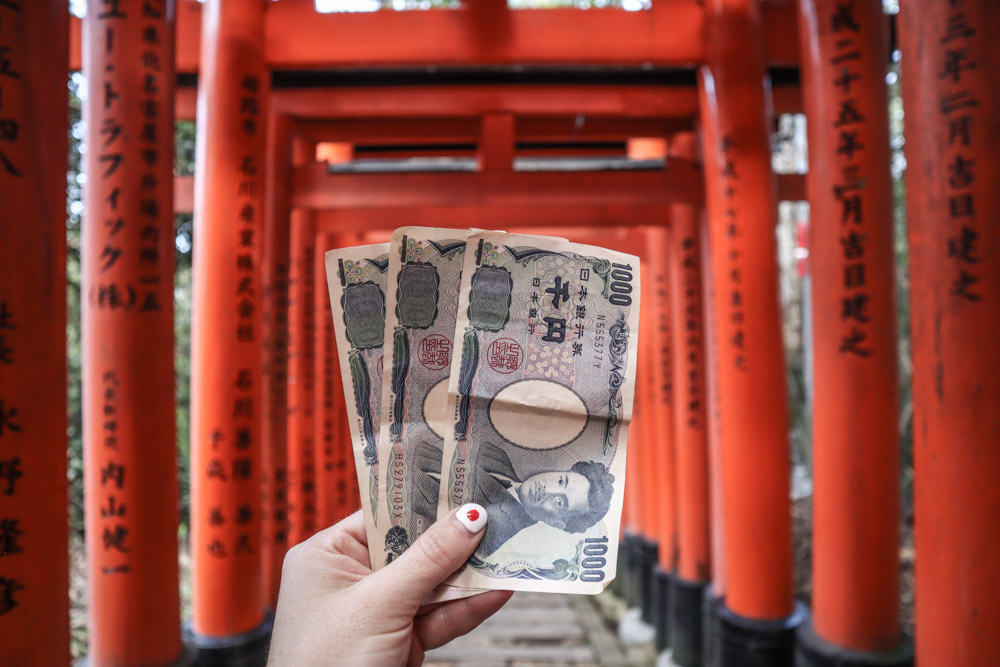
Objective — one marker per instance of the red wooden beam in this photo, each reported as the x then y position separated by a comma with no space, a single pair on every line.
297,37
791,187
313,187
569,127
450,101
507,216
590,111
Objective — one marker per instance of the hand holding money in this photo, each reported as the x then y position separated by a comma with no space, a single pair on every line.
513,368
375,618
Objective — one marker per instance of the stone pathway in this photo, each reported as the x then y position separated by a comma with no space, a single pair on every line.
536,629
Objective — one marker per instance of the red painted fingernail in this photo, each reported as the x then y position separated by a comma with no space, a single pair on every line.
472,517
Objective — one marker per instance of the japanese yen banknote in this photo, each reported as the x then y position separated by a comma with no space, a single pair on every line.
357,282
508,381
540,395
425,269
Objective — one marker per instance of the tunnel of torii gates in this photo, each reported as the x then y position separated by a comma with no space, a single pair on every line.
679,99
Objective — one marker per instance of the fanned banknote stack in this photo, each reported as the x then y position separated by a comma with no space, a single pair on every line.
495,368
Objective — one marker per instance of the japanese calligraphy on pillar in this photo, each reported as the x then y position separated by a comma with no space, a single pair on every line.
10,466
128,201
274,478
112,294
114,529
733,278
663,333
10,75
691,355
34,38
849,184
307,474
150,142
10,421
232,459
962,113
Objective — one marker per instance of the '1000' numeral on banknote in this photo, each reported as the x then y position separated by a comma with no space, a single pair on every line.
541,398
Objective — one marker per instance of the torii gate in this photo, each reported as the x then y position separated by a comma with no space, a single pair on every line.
708,496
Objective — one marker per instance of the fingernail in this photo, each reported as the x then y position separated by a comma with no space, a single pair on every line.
472,517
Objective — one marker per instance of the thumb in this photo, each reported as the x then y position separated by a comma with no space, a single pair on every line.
437,554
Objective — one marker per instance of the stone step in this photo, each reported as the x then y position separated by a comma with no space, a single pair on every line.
566,630
526,600
460,652
522,617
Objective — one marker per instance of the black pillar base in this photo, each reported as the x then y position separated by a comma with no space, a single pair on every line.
663,599
187,658
246,650
649,554
710,606
630,584
618,584
812,651
747,642
686,616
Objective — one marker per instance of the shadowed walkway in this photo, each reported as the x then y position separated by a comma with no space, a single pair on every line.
541,629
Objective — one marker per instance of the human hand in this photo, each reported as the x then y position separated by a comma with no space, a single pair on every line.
332,609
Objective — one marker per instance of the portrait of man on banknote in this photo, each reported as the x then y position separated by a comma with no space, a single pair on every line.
572,500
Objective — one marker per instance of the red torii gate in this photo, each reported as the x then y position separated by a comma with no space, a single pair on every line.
246,190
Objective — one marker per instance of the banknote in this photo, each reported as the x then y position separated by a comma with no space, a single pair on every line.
357,281
540,400
425,267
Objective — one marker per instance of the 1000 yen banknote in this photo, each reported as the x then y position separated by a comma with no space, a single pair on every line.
357,281
425,266
540,397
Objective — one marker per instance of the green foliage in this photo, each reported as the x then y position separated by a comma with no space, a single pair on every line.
902,283
74,210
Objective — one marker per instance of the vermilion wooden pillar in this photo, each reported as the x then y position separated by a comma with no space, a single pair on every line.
951,92
130,453
34,568
633,514
654,485
715,593
759,605
276,259
690,424
302,505
855,423
658,364
227,355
